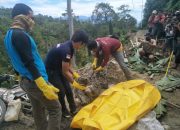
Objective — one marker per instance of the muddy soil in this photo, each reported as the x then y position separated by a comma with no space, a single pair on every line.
171,120
19,125
172,117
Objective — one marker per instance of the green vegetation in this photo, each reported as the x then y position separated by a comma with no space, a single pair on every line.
49,31
104,21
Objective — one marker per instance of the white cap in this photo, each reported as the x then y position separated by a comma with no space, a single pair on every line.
177,12
154,12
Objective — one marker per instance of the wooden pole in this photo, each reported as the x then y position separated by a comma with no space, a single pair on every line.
71,27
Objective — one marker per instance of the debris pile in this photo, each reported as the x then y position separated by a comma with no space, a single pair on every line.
152,68
168,83
97,82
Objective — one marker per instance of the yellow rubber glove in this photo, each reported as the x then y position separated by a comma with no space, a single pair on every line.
49,91
120,48
78,86
94,63
99,69
76,75
17,78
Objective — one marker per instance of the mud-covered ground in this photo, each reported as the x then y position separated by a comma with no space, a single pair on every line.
171,120
18,125
172,117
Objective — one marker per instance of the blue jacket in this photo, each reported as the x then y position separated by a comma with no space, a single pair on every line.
16,60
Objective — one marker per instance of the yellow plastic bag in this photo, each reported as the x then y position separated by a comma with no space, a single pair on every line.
118,107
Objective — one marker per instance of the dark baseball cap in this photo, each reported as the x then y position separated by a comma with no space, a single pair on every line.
20,8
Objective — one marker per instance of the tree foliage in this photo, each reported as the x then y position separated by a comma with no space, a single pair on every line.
123,11
103,13
49,31
126,21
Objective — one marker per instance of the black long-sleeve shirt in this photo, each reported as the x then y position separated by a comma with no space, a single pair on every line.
22,45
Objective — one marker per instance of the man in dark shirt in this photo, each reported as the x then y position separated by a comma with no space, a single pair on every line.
177,40
22,51
58,65
103,48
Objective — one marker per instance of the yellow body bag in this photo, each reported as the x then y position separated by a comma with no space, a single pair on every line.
118,107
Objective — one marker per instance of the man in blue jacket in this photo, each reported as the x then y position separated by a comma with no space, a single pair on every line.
25,59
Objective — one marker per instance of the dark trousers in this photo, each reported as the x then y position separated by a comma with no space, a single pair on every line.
59,81
150,30
177,53
157,30
170,43
40,103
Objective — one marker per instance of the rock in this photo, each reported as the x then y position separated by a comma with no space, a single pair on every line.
83,80
151,77
169,90
78,102
166,127
88,92
13,110
26,120
97,82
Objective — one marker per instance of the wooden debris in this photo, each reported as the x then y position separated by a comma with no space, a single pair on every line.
172,104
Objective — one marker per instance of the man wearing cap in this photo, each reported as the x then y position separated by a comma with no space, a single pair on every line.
103,48
58,66
158,30
150,21
25,59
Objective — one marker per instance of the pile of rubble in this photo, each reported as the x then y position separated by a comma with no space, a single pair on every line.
97,82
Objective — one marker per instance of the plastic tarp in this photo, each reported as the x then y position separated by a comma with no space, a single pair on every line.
118,107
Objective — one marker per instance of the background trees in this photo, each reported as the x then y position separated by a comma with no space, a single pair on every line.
49,31
105,20
104,14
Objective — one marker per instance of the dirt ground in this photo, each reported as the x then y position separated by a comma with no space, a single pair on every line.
171,120
172,117
18,125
